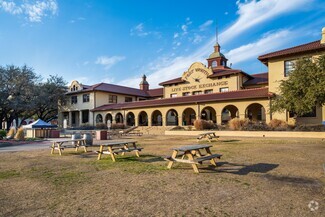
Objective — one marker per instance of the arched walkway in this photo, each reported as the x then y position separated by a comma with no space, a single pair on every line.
156,118
255,112
119,118
108,117
188,117
209,114
130,119
229,112
143,119
99,118
172,118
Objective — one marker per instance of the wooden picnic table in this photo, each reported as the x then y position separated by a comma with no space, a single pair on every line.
118,147
74,143
207,135
195,154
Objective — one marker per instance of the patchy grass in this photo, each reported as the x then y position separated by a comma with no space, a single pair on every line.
9,174
254,177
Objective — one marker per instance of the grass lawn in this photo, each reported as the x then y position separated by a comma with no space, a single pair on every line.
255,177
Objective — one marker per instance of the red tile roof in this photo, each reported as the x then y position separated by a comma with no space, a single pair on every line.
312,46
113,89
216,73
213,97
173,81
261,78
156,92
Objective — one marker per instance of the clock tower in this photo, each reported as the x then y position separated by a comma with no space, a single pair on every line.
217,60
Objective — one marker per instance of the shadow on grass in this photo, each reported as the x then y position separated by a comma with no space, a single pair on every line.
240,169
292,180
231,140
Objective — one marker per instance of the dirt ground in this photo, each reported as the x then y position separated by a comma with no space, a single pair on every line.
255,177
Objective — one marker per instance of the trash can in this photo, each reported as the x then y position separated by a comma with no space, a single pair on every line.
88,138
101,135
75,136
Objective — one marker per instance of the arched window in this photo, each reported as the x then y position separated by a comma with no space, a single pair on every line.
214,64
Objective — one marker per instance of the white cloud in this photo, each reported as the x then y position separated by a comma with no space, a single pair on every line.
197,38
226,13
108,62
205,25
251,14
109,80
139,30
255,12
264,45
33,10
10,7
176,35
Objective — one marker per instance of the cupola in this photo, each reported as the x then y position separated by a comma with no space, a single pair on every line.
217,59
144,85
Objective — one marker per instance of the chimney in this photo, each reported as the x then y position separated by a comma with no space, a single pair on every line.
144,85
322,41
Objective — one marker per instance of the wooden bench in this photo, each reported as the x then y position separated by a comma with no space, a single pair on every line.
209,136
192,154
60,146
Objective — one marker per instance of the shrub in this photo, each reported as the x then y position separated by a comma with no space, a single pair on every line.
20,134
204,125
118,126
3,133
11,133
101,126
276,124
238,124
256,126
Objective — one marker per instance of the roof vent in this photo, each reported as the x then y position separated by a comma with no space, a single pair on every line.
322,41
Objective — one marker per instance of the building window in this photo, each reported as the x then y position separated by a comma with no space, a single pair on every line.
208,91
289,66
214,64
112,99
197,92
224,89
85,98
173,95
74,99
186,93
128,99
85,116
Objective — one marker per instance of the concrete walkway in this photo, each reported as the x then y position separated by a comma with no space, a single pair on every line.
25,147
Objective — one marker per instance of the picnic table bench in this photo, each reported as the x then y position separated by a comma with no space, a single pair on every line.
133,132
74,143
195,154
118,147
208,135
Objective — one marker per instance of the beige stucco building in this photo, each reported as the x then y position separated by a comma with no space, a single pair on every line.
213,92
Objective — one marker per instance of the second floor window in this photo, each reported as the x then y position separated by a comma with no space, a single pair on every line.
112,99
186,93
74,99
289,66
173,95
85,98
128,99
197,92
208,91
224,89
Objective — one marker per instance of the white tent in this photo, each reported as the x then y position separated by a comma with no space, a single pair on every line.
39,129
39,124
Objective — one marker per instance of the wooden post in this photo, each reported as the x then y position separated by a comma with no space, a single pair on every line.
194,166
212,161
111,153
170,164
53,146
100,152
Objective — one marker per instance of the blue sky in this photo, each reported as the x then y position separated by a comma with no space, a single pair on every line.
118,41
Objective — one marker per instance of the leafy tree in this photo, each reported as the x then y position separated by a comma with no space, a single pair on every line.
22,95
17,87
48,95
304,89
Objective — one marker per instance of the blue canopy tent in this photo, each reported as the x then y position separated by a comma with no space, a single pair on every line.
39,128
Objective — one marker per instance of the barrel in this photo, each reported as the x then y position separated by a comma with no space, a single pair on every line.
75,136
88,138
